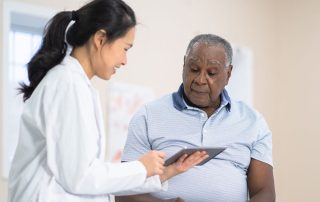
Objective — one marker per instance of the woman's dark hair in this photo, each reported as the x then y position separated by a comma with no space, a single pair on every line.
114,16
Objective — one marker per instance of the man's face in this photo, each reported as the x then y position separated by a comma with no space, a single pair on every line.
205,74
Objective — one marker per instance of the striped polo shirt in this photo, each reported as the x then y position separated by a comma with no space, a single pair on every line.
169,124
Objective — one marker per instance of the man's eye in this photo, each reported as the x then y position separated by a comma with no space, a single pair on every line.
194,69
212,73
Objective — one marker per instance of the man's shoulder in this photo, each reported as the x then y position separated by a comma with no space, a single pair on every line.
243,108
165,100
159,105
155,108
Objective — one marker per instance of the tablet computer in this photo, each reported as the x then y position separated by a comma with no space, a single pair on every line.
211,151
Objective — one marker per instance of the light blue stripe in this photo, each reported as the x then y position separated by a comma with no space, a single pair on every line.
168,124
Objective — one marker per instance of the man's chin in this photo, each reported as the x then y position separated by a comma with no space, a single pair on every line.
199,103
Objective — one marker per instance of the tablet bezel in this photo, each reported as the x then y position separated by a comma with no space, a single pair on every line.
211,151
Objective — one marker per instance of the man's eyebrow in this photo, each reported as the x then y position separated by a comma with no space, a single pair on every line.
194,59
213,62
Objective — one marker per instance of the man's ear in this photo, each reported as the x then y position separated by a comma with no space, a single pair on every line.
229,71
99,38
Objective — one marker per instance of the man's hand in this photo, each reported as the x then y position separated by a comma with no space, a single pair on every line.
183,164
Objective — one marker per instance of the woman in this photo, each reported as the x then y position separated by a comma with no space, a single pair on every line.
59,156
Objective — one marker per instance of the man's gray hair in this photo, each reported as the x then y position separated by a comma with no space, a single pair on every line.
214,40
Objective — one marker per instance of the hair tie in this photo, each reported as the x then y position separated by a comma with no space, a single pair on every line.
74,15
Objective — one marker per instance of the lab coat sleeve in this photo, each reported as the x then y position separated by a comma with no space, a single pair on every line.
73,148
150,185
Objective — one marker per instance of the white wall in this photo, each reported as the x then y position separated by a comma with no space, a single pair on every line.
167,26
284,36
297,127
3,187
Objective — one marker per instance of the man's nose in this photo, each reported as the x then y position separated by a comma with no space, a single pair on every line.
201,78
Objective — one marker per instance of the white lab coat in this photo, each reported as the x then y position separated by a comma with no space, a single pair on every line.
60,154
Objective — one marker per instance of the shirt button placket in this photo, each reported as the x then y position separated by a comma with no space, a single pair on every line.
204,131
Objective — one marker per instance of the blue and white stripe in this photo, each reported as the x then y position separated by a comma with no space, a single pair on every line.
168,124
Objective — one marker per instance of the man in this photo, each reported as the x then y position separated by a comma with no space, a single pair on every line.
202,114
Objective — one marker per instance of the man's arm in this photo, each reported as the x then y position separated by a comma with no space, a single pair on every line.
261,182
144,198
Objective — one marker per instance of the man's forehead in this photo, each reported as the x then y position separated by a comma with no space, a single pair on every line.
206,48
213,62
211,53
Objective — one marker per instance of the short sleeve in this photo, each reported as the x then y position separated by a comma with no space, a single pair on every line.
262,147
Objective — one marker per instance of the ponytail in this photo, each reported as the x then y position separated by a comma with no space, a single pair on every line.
51,52
114,16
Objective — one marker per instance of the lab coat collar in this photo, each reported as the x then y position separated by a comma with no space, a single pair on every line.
75,65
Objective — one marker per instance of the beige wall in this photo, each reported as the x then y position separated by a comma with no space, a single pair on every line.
297,127
284,36
3,188
55,4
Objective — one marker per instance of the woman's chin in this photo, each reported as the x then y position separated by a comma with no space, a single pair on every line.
105,77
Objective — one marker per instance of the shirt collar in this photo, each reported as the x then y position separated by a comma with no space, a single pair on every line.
75,65
180,104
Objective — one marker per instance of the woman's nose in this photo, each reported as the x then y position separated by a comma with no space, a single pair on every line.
124,60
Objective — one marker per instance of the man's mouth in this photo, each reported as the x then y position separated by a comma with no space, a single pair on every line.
201,91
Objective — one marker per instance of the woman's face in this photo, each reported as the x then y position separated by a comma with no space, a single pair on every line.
110,56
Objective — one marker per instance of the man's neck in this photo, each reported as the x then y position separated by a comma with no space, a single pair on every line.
209,109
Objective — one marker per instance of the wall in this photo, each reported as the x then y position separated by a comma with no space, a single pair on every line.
167,26
56,5
284,36
297,127
3,187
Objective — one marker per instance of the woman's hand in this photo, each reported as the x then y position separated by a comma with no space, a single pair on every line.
183,164
174,200
153,162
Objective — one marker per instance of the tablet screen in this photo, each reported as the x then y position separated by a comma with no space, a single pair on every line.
211,151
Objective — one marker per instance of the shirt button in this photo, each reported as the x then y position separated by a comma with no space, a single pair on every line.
204,131
202,115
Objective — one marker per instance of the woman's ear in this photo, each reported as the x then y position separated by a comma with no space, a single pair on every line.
100,37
